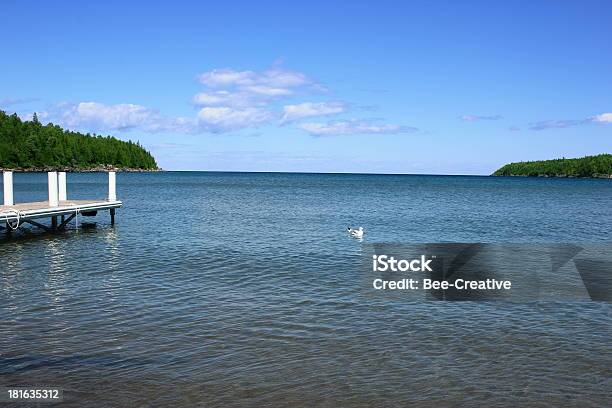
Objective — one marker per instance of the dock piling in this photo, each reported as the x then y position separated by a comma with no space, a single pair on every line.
112,186
61,179
53,192
7,179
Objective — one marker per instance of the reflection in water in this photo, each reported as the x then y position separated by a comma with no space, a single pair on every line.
12,261
112,282
110,237
55,255
57,273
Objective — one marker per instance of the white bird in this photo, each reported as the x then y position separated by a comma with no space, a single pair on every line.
357,233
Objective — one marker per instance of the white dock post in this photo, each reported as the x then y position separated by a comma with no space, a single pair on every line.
112,186
53,193
61,180
7,179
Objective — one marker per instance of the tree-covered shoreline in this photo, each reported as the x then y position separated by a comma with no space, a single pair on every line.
32,146
599,166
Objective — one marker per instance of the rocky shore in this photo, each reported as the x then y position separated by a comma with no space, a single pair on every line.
96,169
598,176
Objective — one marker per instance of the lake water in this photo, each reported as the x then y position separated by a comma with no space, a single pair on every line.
236,289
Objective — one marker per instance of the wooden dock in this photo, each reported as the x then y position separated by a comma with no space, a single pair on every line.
58,208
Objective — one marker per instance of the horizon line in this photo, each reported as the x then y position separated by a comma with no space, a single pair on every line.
324,172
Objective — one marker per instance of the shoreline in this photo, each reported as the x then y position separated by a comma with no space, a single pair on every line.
99,169
595,176
104,169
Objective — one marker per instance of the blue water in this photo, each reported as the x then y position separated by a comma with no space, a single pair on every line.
242,289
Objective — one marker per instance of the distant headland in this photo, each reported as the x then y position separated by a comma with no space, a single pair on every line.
31,146
599,166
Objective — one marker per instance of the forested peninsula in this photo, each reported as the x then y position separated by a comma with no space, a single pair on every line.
32,146
599,166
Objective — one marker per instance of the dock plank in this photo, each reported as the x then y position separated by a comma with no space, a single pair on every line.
41,205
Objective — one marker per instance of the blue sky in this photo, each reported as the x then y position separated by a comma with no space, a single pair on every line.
381,87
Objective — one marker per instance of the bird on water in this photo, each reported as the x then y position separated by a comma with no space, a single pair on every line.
356,232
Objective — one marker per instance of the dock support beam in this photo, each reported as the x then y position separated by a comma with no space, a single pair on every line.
112,186
7,180
66,221
53,192
36,224
112,215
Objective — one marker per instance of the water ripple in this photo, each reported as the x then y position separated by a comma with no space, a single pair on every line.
242,290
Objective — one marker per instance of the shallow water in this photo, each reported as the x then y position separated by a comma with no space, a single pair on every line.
235,289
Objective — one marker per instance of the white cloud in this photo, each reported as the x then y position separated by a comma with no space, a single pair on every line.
270,91
566,123
250,96
222,118
352,127
278,77
226,98
309,109
557,124
212,98
100,116
604,118
239,99
473,118
274,78
226,77
248,88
